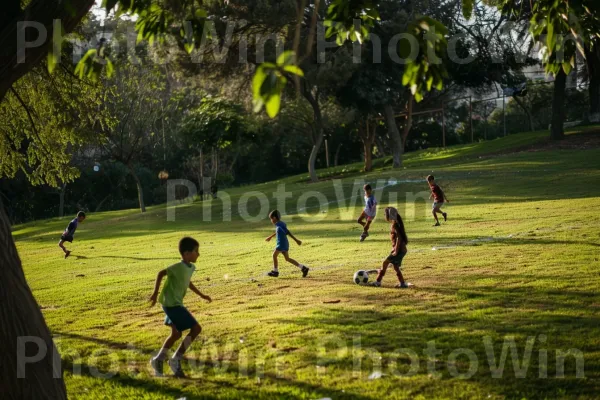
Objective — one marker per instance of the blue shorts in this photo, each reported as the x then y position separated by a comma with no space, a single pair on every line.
179,317
66,238
282,247
437,204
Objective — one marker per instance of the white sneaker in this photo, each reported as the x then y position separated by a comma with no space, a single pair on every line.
175,364
157,365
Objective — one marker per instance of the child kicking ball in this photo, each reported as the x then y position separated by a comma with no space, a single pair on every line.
399,250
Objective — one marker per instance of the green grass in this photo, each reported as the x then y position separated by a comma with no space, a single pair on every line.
518,258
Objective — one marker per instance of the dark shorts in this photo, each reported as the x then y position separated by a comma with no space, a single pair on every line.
66,238
179,317
397,259
282,248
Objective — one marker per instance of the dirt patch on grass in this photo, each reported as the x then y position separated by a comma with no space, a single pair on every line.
579,141
582,141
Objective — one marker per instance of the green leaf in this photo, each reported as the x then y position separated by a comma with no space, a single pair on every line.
429,83
293,69
201,13
273,105
550,39
110,68
467,6
257,81
286,58
52,60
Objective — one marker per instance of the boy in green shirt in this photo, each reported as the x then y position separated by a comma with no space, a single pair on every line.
171,298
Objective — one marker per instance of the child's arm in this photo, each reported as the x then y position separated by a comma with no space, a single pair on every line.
269,238
396,246
195,290
444,196
293,237
159,279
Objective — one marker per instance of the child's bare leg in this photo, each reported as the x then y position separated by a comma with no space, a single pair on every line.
382,271
275,262
174,337
62,246
187,342
368,225
291,260
361,219
434,212
399,274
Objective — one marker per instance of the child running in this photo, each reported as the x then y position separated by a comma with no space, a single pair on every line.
177,316
438,200
368,213
283,245
399,242
69,233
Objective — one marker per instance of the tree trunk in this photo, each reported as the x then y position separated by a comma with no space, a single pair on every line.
215,163
397,146
203,190
140,190
557,131
367,136
337,155
41,12
527,111
318,125
380,147
20,317
592,54
409,121
312,171
61,205
368,146
99,206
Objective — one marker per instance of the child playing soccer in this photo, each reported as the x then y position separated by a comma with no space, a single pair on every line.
283,245
68,234
438,200
177,316
399,242
368,213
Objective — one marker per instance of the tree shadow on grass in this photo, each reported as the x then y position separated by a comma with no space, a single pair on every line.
460,320
209,370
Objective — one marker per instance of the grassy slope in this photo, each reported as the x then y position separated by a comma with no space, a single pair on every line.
537,276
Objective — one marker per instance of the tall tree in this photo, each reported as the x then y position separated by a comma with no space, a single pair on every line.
154,18
135,100
561,28
20,315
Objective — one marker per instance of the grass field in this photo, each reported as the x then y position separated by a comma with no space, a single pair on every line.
517,262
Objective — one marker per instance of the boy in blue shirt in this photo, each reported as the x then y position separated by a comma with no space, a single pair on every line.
368,213
283,245
68,234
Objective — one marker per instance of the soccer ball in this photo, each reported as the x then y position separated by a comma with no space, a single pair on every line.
361,277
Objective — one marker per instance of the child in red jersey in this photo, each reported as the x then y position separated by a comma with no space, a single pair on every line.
438,200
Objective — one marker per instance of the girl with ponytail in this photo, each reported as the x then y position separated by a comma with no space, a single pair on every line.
399,242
